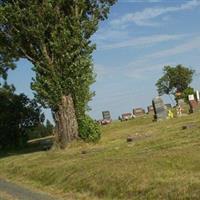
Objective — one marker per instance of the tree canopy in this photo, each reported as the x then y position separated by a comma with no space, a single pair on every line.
174,80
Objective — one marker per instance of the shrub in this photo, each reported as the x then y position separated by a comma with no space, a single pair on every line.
89,130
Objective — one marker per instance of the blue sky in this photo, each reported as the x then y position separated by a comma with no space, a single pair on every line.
139,38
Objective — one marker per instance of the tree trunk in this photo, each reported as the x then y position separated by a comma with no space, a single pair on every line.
66,128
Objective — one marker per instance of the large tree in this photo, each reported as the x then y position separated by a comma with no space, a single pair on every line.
54,35
174,80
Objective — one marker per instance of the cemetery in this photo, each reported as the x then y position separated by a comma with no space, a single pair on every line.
150,146
159,109
129,153
134,62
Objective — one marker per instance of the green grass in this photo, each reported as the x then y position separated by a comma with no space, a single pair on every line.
162,163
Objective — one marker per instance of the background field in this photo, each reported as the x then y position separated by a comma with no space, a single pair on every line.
163,162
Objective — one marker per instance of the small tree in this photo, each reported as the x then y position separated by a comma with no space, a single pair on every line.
175,80
188,91
54,35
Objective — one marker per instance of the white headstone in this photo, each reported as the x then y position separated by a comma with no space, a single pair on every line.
191,97
198,96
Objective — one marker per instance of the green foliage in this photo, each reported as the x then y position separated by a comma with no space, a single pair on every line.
54,35
188,91
18,115
49,127
175,79
89,130
41,130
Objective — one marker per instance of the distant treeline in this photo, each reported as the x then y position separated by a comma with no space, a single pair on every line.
21,119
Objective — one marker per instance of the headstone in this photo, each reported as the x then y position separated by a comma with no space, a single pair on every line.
191,97
106,115
127,116
139,112
182,107
194,106
198,95
106,118
150,109
181,102
159,109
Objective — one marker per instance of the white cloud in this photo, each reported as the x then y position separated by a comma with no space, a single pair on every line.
141,41
143,18
141,71
110,35
182,48
152,62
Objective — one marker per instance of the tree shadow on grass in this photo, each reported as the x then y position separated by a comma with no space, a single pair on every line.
39,146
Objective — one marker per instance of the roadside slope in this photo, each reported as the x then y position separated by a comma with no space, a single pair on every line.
162,163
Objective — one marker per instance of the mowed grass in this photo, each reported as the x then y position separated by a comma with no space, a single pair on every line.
162,163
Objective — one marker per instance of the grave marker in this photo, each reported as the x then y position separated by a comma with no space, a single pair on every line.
159,109
106,115
138,112
127,116
106,118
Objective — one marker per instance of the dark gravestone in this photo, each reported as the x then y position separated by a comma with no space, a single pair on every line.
159,109
106,115
138,112
106,118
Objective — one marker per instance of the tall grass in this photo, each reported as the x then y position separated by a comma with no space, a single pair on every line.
162,163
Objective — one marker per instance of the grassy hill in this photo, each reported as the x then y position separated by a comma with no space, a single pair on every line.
163,162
